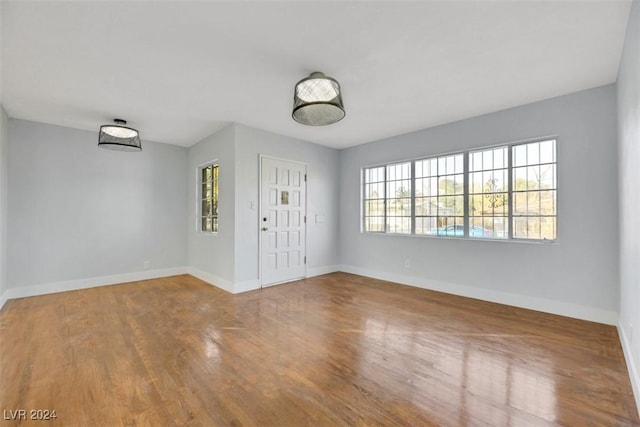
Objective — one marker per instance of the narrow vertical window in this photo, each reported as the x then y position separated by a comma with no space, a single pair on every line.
489,193
209,198
534,190
440,196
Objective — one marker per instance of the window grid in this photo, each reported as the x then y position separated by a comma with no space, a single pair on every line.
510,178
374,197
209,191
488,198
413,199
398,198
439,197
534,191
466,192
504,192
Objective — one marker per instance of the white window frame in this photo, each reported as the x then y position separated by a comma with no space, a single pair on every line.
466,196
512,190
468,217
439,174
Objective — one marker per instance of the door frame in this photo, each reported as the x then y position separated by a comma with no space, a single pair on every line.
259,225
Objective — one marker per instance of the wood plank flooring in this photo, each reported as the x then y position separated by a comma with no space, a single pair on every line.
332,350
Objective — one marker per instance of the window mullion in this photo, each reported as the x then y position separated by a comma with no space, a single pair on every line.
413,197
385,198
363,206
511,194
465,191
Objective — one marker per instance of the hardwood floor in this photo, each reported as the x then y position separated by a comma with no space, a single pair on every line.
332,350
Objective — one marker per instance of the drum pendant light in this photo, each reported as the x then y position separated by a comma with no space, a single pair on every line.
317,101
119,137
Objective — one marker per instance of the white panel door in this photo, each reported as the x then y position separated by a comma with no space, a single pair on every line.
282,221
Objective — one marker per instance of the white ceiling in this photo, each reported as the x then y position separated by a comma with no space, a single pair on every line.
179,71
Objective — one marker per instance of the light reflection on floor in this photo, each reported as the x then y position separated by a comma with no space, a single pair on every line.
468,373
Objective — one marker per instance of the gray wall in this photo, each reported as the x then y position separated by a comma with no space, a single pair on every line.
229,258
4,159
629,156
322,199
576,276
211,256
79,212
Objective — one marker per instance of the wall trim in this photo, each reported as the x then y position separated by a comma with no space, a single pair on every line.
92,282
634,373
523,301
246,286
254,284
516,300
211,279
319,271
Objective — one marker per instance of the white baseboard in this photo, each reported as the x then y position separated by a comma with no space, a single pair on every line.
211,279
516,300
533,303
253,284
246,286
92,282
72,285
319,271
634,373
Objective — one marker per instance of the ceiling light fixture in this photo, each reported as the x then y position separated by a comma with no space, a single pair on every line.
119,137
317,101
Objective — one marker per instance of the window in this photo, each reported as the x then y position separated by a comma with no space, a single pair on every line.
505,192
387,199
209,198
398,200
440,195
374,196
489,193
534,190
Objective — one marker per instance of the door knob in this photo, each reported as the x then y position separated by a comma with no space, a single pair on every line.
264,228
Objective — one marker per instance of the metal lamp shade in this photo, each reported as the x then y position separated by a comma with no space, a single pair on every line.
317,101
119,137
